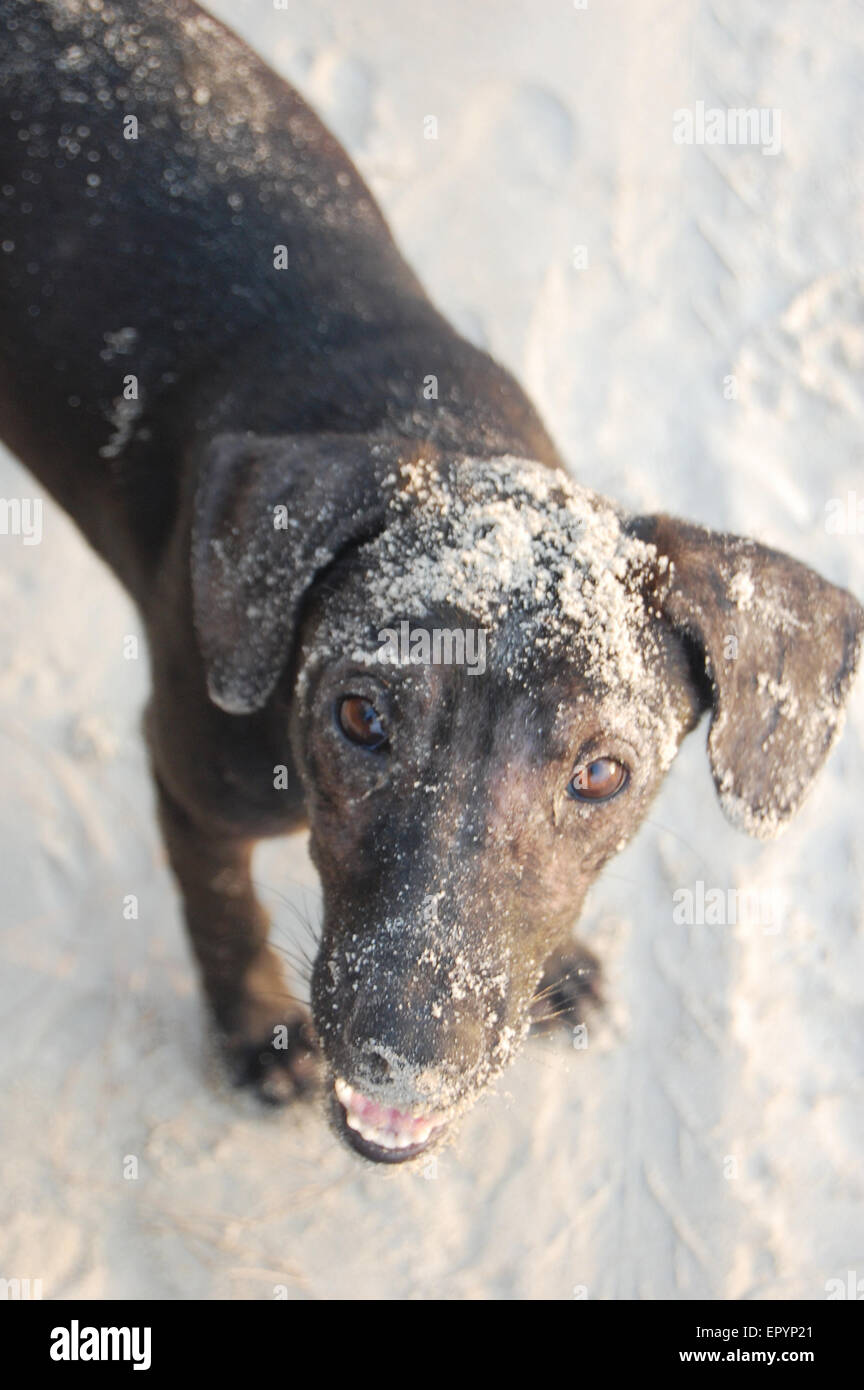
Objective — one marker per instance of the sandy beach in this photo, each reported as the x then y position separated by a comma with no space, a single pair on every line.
689,319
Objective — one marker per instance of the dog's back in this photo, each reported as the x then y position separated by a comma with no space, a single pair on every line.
140,208
185,247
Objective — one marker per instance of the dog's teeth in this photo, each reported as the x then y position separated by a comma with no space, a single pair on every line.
397,1132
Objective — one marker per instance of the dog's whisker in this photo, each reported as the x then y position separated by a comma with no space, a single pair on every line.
555,984
300,916
301,967
667,829
558,1013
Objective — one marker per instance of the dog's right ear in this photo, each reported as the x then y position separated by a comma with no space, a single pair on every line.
270,514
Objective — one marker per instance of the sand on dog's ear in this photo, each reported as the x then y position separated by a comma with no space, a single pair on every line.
269,515
780,647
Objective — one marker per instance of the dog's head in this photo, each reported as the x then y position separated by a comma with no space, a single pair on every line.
490,672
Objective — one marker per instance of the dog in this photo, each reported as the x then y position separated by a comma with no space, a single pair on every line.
214,357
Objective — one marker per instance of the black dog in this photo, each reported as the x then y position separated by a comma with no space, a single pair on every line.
213,355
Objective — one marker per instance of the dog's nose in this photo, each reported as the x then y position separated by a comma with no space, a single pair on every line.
407,1049
375,1065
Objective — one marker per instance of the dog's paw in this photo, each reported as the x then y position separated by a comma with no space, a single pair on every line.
569,988
279,1066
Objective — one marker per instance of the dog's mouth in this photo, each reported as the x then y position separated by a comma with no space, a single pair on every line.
381,1132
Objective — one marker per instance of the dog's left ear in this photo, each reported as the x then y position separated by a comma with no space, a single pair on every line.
270,514
780,647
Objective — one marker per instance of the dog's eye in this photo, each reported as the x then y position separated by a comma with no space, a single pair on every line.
360,721
598,780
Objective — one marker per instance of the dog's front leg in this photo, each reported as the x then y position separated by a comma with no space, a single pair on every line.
266,1032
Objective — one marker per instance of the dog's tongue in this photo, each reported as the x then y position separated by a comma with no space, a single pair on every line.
383,1124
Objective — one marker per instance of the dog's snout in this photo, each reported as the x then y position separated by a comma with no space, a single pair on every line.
412,1045
391,1040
